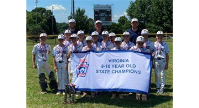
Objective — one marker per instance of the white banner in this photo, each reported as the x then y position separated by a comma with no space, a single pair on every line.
123,71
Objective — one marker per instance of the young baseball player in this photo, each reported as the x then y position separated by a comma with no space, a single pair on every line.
40,55
112,37
106,44
140,48
89,46
81,36
95,43
126,44
147,44
59,54
118,42
161,60
67,35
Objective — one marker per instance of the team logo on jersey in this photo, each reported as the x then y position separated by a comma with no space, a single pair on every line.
82,68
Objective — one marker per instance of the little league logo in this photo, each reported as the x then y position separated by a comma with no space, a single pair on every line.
82,68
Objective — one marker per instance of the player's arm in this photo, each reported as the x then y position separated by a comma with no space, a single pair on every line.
33,61
167,61
54,64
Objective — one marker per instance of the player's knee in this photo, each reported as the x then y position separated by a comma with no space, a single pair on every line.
42,77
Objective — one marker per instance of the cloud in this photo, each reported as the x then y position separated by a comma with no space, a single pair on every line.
124,14
56,7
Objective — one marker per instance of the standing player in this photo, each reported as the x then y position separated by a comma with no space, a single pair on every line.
95,43
148,44
59,54
140,48
81,37
89,46
67,34
106,44
112,37
40,54
126,44
161,60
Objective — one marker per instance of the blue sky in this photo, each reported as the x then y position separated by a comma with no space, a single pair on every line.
62,8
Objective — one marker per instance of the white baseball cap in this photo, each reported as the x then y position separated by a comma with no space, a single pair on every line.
94,33
61,36
74,36
72,20
67,31
118,39
105,33
80,32
134,19
160,33
98,21
43,35
89,38
112,34
145,31
140,39
126,33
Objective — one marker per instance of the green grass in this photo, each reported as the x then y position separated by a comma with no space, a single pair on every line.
50,100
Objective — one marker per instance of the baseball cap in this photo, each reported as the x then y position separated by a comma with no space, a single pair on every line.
160,33
118,39
89,38
67,31
61,36
145,31
94,33
73,36
140,39
126,33
80,32
72,20
134,19
105,33
43,35
112,34
98,21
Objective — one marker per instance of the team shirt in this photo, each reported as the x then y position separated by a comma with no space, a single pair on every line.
41,52
67,43
149,45
92,48
143,49
121,48
106,45
60,53
161,49
97,46
75,48
128,45
82,42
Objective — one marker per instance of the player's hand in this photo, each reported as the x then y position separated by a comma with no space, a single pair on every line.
34,66
153,54
55,68
88,49
166,67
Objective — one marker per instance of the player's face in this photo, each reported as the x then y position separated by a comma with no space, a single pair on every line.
43,39
140,44
134,24
81,37
95,37
61,41
159,37
117,44
105,37
89,42
74,40
98,26
126,37
145,37
72,25
67,36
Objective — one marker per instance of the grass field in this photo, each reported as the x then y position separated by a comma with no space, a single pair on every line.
50,100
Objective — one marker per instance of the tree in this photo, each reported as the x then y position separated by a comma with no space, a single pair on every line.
61,27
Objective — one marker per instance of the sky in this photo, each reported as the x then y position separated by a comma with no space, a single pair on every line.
62,8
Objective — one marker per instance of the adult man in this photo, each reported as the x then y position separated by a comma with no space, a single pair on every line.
134,31
72,24
99,29
40,54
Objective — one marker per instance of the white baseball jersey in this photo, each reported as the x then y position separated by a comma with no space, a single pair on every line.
92,48
161,49
97,46
76,48
106,45
41,52
128,45
82,43
60,53
67,43
117,48
143,49
149,45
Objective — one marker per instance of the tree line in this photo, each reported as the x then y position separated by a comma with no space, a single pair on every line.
153,15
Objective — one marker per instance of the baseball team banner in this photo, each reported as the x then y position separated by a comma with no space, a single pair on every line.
122,71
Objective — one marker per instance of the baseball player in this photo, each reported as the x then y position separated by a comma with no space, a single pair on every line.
106,44
147,44
161,60
67,34
118,42
89,46
112,37
81,36
59,54
140,48
40,55
95,43
126,44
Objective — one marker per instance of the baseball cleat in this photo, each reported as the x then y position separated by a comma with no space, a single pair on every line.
58,93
